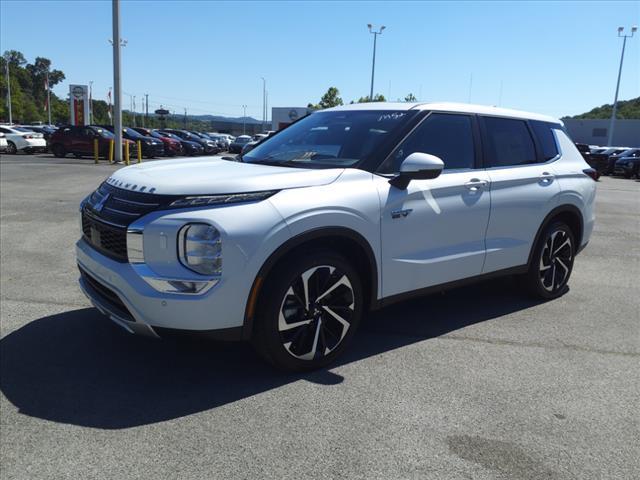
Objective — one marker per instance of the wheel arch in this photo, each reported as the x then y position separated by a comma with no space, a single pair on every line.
571,215
344,240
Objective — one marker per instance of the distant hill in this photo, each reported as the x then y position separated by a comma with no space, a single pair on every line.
627,109
220,118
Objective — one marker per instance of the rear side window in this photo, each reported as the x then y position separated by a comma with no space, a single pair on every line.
547,140
508,142
447,136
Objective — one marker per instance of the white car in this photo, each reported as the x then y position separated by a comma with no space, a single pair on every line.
3,143
349,209
21,139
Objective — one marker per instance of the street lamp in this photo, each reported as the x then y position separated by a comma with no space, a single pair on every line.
373,64
612,125
244,119
264,102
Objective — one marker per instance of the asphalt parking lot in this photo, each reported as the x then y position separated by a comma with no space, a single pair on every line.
479,382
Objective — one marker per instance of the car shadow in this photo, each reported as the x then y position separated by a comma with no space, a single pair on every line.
79,368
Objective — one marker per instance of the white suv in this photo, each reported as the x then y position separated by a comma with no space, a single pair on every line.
344,211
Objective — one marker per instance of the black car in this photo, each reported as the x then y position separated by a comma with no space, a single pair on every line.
208,145
602,160
212,143
151,147
188,147
628,165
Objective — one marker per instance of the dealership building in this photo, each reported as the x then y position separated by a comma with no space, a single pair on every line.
596,132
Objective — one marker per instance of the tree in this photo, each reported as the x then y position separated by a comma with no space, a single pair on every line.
410,98
378,97
328,100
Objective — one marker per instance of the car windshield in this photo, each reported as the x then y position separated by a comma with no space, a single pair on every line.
103,132
243,139
132,133
22,129
329,139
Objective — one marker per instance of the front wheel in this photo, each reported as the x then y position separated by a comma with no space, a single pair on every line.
552,262
58,150
11,148
309,310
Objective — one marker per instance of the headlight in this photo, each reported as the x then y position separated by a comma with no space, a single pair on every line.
204,200
200,248
148,142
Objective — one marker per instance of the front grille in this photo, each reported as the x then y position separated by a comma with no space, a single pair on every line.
108,296
110,210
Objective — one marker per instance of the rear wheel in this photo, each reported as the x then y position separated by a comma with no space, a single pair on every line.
310,308
552,262
11,148
58,150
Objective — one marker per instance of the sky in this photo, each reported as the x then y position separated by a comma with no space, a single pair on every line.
556,58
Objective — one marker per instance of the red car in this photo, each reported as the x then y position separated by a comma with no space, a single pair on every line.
171,147
79,141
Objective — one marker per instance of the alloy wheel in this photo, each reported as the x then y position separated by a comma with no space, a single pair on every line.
316,312
11,148
556,261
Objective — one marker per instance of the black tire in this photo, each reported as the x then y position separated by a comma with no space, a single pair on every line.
77,155
331,313
58,150
11,148
552,262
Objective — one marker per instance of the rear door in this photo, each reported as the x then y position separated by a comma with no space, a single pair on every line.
433,232
524,188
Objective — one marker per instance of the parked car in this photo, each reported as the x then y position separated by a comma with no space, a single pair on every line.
208,145
238,143
349,209
3,143
222,140
79,141
211,146
601,159
20,139
188,147
151,147
627,166
172,147
45,130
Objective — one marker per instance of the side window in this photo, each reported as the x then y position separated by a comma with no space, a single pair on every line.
508,142
546,139
447,136
4,130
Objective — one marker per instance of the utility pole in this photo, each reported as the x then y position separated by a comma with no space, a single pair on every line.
6,64
266,105
133,105
244,119
373,63
264,102
49,97
615,101
146,109
117,111
185,118
90,102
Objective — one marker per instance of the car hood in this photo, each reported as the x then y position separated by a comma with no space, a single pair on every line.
209,176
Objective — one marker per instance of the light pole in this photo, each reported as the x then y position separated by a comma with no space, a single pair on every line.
373,63
90,103
6,64
264,102
117,101
244,119
615,101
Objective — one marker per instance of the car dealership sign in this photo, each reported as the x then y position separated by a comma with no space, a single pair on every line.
79,104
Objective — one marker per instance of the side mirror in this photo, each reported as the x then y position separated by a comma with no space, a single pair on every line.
417,166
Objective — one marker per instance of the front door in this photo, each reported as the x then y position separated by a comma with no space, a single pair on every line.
434,231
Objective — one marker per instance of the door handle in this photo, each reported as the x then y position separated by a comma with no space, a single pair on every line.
475,184
546,178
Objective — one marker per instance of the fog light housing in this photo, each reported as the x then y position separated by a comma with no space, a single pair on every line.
200,248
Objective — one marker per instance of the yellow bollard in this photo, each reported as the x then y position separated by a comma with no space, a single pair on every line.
96,152
139,151
111,148
126,153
